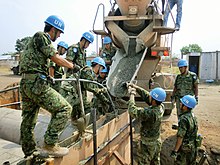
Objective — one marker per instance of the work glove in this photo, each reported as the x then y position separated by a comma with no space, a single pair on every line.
197,99
173,155
132,91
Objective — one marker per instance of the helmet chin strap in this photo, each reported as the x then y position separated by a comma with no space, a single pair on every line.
55,34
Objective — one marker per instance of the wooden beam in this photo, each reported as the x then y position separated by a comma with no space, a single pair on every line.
120,158
83,150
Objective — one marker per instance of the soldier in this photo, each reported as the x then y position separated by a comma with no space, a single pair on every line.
186,83
102,75
77,52
150,118
70,92
185,150
108,52
55,70
36,92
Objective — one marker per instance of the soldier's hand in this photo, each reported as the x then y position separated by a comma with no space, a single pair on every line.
76,68
102,90
132,91
173,155
50,80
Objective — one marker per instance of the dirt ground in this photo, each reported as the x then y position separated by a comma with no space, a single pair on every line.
207,112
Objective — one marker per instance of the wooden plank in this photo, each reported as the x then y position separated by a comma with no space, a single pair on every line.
84,148
106,153
120,158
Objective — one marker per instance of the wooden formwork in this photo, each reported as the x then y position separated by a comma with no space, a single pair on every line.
113,146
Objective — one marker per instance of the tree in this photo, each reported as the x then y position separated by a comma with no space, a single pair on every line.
20,44
191,48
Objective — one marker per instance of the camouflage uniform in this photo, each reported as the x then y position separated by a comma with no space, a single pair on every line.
150,118
36,93
107,55
184,85
69,89
70,92
187,130
77,56
58,73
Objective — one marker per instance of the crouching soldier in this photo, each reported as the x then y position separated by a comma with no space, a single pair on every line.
185,150
150,119
70,91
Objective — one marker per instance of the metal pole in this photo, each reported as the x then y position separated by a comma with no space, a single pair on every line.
131,140
94,136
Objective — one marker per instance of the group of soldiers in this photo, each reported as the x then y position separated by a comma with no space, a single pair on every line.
40,63
185,94
64,101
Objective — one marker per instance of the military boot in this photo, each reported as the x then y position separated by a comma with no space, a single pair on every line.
55,150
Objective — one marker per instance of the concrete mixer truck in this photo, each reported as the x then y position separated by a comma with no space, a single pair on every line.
135,27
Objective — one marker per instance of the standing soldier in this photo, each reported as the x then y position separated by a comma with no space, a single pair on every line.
185,150
55,70
76,53
186,83
108,52
150,118
36,92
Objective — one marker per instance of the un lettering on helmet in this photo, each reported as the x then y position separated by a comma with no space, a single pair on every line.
58,23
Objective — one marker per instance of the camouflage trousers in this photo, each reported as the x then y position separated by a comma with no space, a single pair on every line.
149,152
178,110
37,93
186,158
70,93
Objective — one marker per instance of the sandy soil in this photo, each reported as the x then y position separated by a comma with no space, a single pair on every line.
207,112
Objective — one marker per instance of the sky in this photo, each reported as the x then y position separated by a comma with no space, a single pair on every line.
22,18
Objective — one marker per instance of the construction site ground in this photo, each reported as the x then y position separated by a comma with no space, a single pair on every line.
207,112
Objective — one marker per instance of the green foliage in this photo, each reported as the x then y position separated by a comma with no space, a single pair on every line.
21,43
191,48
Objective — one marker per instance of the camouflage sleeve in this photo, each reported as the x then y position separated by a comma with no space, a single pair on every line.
44,44
134,111
70,55
175,83
87,74
182,127
195,78
145,95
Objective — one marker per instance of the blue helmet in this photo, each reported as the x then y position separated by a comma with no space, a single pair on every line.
189,101
99,60
158,94
88,36
182,63
56,22
105,70
107,40
63,44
